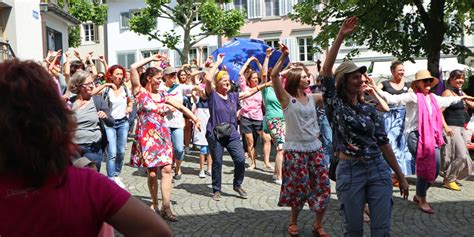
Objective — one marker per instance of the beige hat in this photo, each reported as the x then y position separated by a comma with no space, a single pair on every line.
169,70
424,74
82,162
348,67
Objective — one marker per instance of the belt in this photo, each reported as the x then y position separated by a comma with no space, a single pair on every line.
124,118
344,156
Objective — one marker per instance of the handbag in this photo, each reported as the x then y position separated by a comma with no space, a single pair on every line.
223,131
332,167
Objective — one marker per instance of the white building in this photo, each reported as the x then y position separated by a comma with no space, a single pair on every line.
32,27
125,47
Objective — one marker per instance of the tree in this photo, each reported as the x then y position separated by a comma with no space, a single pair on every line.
211,19
84,10
406,28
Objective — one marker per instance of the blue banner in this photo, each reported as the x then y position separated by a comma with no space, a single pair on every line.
237,51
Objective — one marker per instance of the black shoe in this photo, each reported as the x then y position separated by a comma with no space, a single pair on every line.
241,192
177,176
216,196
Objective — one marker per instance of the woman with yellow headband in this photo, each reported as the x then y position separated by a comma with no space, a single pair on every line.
221,129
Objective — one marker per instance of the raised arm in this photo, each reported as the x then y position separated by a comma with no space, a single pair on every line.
212,73
264,73
347,27
91,63
104,62
280,92
253,90
67,67
185,111
135,77
246,64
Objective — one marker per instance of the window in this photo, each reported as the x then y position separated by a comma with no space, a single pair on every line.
305,49
148,53
90,33
241,5
194,52
125,59
272,43
196,17
124,18
272,7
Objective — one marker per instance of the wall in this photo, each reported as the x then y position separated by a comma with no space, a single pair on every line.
23,29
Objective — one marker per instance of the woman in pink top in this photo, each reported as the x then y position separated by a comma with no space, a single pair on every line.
41,193
251,114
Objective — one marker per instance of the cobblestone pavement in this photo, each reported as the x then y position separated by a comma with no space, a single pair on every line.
259,215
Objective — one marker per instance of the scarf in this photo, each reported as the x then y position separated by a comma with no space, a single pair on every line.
430,129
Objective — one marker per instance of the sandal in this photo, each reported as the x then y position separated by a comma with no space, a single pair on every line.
168,215
317,231
293,229
154,207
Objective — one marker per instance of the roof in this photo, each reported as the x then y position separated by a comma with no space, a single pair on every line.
55,9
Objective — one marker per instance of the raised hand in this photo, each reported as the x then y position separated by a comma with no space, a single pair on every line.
77,54
220,58
101,58
348,25
284,49
268,51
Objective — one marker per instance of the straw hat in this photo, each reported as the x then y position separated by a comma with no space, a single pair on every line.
424,74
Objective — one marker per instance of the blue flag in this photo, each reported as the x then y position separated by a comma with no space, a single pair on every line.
237,51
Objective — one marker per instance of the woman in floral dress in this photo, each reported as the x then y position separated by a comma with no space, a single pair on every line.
153,149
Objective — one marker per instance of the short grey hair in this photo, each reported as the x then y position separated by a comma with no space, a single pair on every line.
77,80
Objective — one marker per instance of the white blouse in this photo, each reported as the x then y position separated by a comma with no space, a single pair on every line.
410,101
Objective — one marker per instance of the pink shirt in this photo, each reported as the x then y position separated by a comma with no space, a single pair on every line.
75,204
251,106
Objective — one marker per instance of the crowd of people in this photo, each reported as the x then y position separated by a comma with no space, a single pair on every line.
336,125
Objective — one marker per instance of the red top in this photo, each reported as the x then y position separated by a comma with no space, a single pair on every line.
75,204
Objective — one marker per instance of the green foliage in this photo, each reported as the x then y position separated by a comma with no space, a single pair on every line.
213,20
74,36
85,10
406,28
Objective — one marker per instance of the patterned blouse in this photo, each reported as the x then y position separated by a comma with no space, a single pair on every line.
357,130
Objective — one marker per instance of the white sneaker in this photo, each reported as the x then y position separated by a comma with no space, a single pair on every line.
119,182
278,181
202,174
186,150
209,173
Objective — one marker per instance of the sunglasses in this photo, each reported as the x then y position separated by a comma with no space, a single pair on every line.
427,80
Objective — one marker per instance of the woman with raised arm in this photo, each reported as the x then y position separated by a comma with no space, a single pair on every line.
305,174
274,121
457,163
360,145
251,114
153,148
221,129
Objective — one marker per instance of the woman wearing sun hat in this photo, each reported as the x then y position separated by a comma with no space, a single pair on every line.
424,130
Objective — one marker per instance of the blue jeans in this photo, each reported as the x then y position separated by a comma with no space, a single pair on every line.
177,138
360,182
92,152
236,151
422,185
117,137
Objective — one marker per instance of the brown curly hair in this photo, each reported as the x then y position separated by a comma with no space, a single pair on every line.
35,122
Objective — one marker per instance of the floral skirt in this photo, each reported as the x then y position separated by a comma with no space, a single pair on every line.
305,179
276,128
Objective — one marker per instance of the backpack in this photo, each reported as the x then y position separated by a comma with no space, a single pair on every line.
105,96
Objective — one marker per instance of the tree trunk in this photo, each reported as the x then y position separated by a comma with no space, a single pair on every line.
435,35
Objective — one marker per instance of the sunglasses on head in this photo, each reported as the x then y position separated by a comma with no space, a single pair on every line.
427,80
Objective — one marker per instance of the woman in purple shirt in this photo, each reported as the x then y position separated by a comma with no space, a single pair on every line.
221,129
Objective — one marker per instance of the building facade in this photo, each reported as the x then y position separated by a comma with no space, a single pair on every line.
33,27
124,47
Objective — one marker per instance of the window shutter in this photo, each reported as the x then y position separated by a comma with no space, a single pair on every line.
285,7
251,9
96,33
259,8
291,43
290,5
